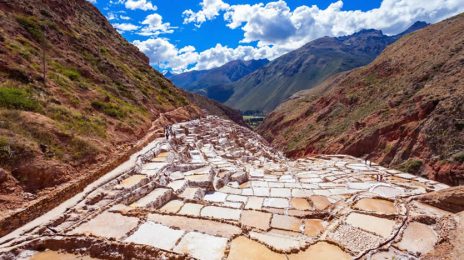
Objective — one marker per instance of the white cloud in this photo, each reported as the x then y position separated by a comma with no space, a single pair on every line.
276,29
165,55
276,24
140,4
209,10
92,1
155,26
125,27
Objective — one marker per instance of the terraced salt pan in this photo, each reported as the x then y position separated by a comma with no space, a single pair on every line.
264,195
131,181
380,226
321,250
156,198
49,254
278,241
172,206
156,235
313,227
244,248
221,213
376,205
109,225
300,204
191,209
202,246
286,222
256,219
418,238
210,227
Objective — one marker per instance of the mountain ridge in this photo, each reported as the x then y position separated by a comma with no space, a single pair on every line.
209,82
402,110
307,66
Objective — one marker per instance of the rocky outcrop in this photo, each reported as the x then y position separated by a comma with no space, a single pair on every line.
451,199
403,110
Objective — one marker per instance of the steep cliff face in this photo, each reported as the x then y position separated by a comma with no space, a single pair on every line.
405,109
73,93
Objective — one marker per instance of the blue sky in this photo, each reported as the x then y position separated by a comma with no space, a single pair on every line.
180,35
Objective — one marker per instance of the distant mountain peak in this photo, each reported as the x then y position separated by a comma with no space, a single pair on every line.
168,74
206,82
414,27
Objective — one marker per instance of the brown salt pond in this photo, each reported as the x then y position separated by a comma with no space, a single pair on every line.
244,248
321,250
376,205
320,202
300,204
161,157
55,255
255,219
286,222
313,227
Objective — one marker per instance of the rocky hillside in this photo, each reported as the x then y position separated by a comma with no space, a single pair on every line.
211,83
405,109
74,95
306,67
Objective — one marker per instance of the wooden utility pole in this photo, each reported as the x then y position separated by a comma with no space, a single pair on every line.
44,60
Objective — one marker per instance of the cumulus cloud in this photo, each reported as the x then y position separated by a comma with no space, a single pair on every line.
274,28
125,27
92,1
166,55
209,10
140,4
155,26
275,23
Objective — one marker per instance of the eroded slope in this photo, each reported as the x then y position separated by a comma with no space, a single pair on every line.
74,95
403,110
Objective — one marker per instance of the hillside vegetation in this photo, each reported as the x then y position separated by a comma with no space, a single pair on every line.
72,92
404,110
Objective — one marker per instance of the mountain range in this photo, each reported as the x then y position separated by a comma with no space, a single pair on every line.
211,83
265,86
403,110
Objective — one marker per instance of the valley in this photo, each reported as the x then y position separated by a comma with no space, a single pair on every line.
216,190
273,132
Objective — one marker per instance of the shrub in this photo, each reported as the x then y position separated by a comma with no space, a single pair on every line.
16,98
5,149
459,157
109,109
82,150
71,73
411,166
32,26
